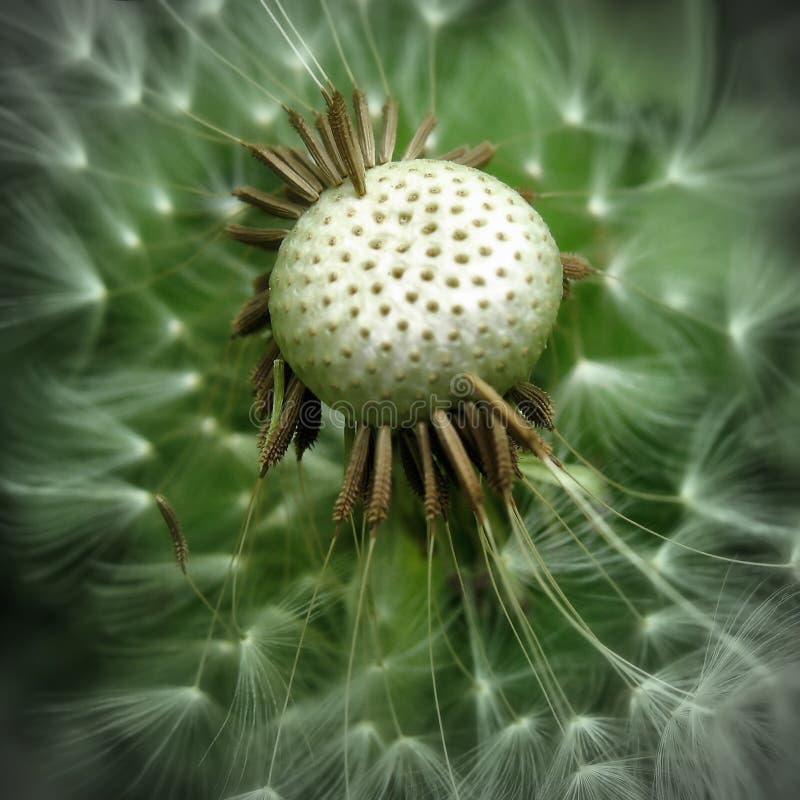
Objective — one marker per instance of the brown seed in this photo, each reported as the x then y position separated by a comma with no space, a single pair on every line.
575,267
298,160
276,443
534,404
366,136
180,547
458,460
316,149
293,180
388,131
478,157
514,422
454,154
381,490
353,482
417,143
271,203
345,138
266,238
433,483
323,125
252,316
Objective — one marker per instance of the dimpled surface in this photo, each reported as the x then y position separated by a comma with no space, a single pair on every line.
439,270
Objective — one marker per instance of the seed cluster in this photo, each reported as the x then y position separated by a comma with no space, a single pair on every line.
439,269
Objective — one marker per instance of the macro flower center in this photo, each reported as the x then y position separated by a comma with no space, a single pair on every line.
437,270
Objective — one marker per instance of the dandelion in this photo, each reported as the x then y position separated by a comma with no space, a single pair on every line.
511,285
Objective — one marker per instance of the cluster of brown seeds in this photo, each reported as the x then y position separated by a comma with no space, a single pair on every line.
481,434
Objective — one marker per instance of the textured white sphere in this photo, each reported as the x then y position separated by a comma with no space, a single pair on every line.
438,270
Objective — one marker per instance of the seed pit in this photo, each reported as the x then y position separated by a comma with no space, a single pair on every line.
402,325
430,228
432,306
376,288
462,258
398,272
453,282
432,252
426,275
412,297
459,235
